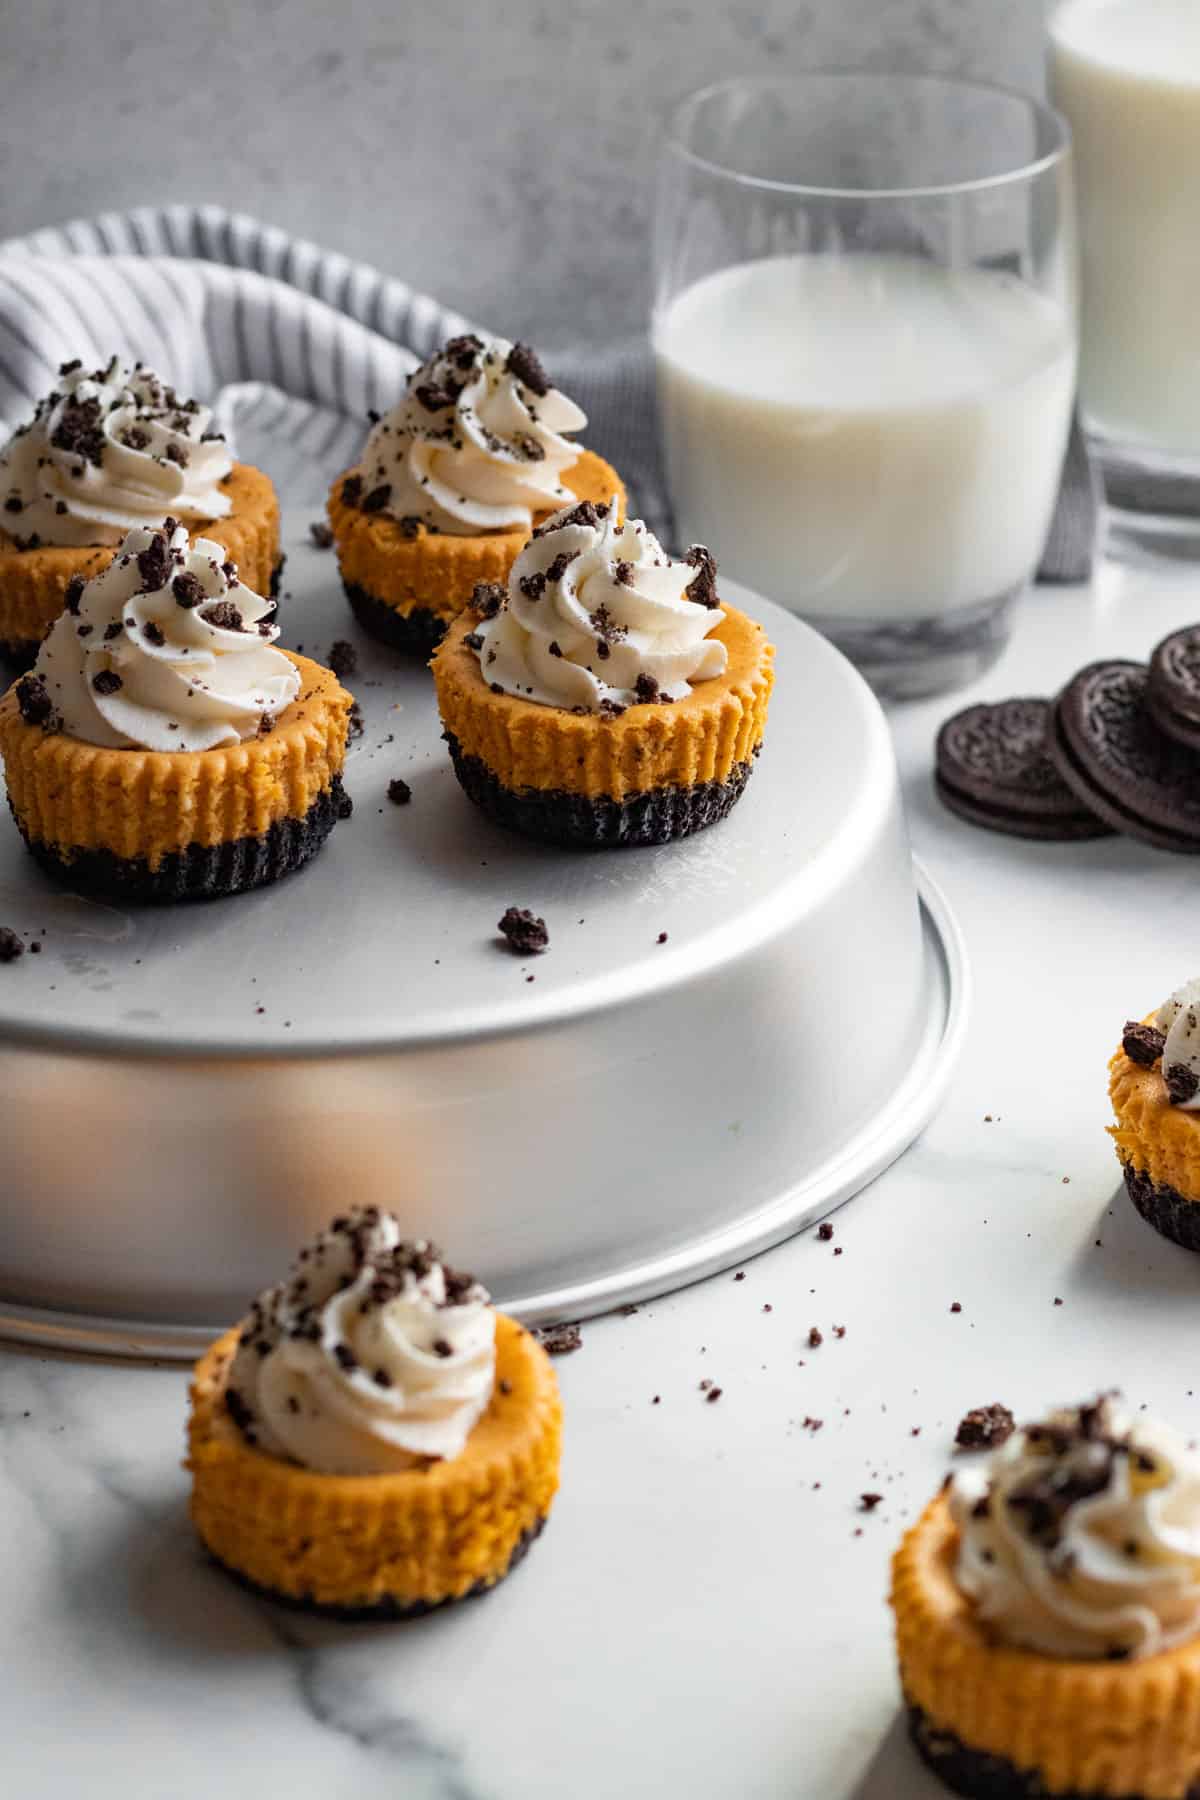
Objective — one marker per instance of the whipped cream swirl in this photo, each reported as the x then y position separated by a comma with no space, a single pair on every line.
1179,1019
1081,1536
598,617
372,1356
165,649
475,445
106,451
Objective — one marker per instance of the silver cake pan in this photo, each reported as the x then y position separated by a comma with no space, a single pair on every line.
187,1093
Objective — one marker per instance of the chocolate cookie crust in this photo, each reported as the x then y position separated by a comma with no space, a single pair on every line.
202,871
416,633
980,1776
384,1611
580,820
1171,1213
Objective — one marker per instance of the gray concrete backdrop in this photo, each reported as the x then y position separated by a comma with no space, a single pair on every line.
495,152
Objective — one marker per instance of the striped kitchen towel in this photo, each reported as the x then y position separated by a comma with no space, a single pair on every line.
293,343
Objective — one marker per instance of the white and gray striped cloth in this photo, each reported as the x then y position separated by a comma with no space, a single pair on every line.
293,344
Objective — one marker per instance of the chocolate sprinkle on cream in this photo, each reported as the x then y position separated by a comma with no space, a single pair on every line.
985,1428
352,489
525,934
378,498
703,589
224,615
526,365
1142,1044
188,590
152,631
562,562
74,595
433,397
487,598
1182,1083
107,681
80,432
154,563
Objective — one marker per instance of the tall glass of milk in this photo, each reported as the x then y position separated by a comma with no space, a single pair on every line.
1127,74
865,336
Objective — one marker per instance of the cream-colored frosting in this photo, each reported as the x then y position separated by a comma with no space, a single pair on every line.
105,451
1179,1018
598,617
475,445
372,1356
166,649
1080,1537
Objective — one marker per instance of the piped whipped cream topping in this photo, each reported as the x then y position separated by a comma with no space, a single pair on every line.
165,649
1081,1536
598,617
108,450
476,444
372,1356
1179,1020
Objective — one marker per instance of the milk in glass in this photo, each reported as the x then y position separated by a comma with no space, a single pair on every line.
1127,75
867,437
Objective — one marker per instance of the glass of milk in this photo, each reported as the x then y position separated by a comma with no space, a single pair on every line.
1127,75
865,336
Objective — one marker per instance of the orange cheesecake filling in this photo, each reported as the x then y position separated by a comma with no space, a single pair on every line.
149,804
438,571
1150,1134
704,737
1094,1728
416,1538
33,583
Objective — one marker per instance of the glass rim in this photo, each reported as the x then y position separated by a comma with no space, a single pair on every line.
950,84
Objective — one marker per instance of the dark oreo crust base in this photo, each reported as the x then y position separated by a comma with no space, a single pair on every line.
583,821
19,653
980,1776
417,633
1171,1213
202,871
385,1611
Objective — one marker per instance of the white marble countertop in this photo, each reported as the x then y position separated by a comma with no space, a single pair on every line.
706,1614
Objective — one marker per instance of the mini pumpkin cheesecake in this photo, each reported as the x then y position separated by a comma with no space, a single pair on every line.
373,1440
606,696
162,748
106,451
1047,1609
1154,1085
450,485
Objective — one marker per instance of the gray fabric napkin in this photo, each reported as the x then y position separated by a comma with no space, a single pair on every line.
257,322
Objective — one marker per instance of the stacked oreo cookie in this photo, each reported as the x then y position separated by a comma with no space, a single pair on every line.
1117,751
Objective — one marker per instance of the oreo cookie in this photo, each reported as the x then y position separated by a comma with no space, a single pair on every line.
1113,757
1173,687
993,770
